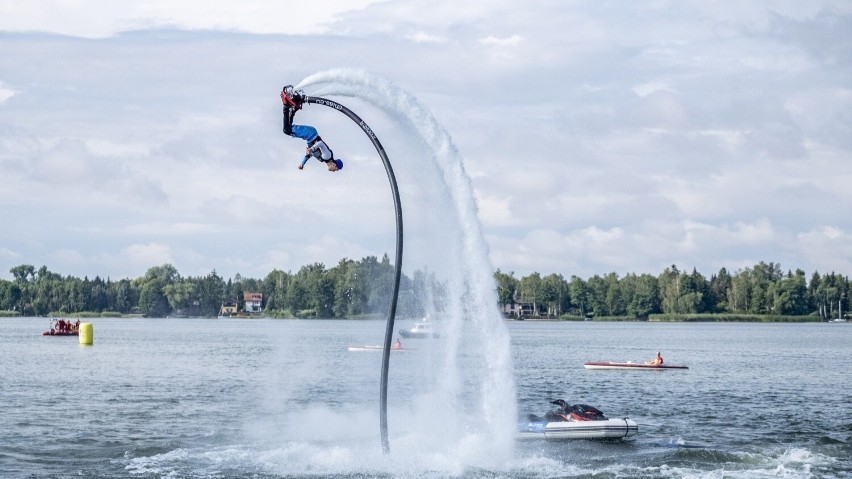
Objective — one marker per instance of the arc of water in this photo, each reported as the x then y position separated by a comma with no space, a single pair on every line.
499,408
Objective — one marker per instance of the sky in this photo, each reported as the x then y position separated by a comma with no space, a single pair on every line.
598,136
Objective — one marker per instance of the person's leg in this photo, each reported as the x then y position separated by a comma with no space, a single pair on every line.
305,132
289,112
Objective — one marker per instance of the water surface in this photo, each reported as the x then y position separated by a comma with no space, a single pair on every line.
265,398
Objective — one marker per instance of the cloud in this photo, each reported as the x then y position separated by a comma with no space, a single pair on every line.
148,253
502,42
597,137
827,248
6,93
98,19
9,255
422,37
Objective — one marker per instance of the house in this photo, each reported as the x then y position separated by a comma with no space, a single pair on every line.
229,308
253,302
519,308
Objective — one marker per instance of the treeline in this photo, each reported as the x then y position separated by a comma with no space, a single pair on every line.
762,290
354,289
351,289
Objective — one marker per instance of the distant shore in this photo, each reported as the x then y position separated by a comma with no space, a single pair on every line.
654,318
697,318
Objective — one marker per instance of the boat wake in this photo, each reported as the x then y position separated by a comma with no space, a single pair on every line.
303,460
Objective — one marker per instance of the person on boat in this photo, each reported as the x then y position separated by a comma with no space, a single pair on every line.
77,326
61,325
317,147
574,412
560,414
658,361
397,345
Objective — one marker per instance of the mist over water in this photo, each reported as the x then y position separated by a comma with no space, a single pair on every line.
462,412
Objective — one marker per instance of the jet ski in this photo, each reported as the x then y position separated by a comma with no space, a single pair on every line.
578,421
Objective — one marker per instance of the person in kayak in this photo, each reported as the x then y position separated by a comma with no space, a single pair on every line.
658,361
292,101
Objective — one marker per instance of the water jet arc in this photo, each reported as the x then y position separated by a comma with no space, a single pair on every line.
383,395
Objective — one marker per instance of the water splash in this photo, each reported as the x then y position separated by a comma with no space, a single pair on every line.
476,355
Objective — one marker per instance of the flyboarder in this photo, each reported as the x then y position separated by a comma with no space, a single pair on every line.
317,148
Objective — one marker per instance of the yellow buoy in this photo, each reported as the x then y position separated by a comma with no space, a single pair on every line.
86,333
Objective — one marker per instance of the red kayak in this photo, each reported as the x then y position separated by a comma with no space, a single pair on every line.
629,365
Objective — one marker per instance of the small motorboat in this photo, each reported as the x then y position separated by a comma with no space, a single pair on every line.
420,330
631,365
578,421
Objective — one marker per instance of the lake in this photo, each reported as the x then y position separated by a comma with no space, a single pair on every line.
192,398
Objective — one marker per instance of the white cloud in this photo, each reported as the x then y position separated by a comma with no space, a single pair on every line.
146,255
502,42
6,93
646,89
827,248
423,37
9,255
69,258
97,18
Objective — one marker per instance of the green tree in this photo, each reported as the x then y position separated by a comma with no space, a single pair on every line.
791,295
529,289
554,294
579,294
597,291
643,295
181,295
23,273
152,290
350,296
718,291
125,296
507,286
615,299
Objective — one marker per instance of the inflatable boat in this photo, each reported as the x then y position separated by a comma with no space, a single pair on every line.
62,327
579,421
631,365
58,333
564,430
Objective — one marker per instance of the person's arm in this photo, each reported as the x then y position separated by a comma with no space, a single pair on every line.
304,160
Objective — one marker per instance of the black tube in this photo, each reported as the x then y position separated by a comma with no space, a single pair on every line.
383,394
